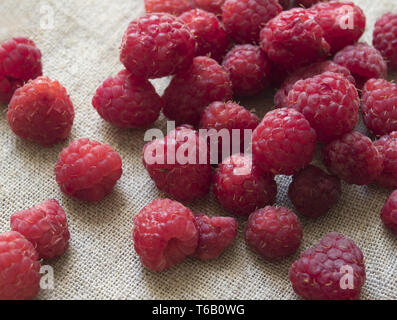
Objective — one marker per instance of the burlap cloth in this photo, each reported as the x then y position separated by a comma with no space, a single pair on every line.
81,50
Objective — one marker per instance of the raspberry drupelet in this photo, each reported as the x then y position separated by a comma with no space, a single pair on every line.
385,38
387,147
214,6
175,7
389,212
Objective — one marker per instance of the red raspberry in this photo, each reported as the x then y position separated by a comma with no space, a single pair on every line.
157,45
313,192
214,6
363,61
210,33
353,158
244,19
379,106
284,142
308,3
19,268
45,226
7,88
329,102
88,170
249,68
127,101
294,38
215,234
164,234
273,232
241,187
322,272
191,90
389,212
385,38
179,164
41,111
387,147
175,7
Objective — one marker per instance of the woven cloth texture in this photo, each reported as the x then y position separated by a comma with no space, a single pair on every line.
80,44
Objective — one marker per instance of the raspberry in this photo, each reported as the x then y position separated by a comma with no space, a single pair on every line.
45,226
389,212
8,87
179,164
19,268
308,3
273,232
88,170
249,69
175,7
329,102
387,147
308,72
379,106
164,234
294,39
214,6
244,19
353,158
192,90
313,192
215,234
127,101
320,273
385,38
284,142
241,187
363,61
157,45
41,111
210,34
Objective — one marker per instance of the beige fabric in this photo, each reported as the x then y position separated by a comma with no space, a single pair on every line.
81,51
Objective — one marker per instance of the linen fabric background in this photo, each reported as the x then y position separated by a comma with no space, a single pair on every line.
80,43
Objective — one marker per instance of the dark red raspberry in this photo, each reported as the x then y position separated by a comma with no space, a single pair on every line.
353,158
323,272
41,111
191,90
294,39
175,7
179,164
329,102
241,187
273,232
284,142
127,101
164,234
314,192
249,68
7,88
387,147
308,72
389,212
363,61
244,19
214,6
88,170
308,3
379,101
157,45
385,38
19,268
45,226
215,234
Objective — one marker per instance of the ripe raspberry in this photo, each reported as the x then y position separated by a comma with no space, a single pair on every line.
280,99
7,88
363,61
88,170
179,164
353,158
273,232
175,7
313,192
387,147
214,6
41,111
385,38
45,226
249,69
157,45
127,101
320,272
389,212
215,234
244,19
164,234
308,3
191,90
284,142
241,187
19,268
294,39
329,102
210,33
